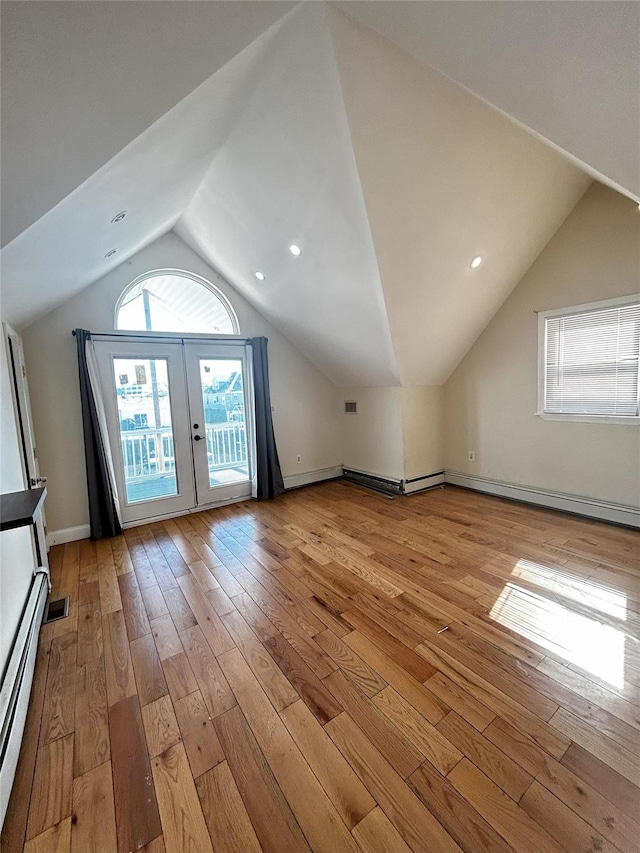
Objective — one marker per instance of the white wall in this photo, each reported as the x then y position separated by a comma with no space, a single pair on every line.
306,418
491,398
17,559
372,439
423,430
397,432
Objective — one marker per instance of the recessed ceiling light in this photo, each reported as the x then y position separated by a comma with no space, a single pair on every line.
295,250
475,263
260,276
119,216
110,253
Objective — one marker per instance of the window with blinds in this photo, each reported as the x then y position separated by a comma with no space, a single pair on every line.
591,361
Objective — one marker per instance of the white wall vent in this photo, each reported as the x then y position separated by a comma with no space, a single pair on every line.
351,407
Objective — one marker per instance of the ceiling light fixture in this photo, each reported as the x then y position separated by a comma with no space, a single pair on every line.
110,253
119,216
260,276
295,250
475,263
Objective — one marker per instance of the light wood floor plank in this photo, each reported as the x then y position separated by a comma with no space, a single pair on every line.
610,751
51,793
314,811
160,726
271,816
94,823
183,826
375,832
58,711
227,819
342,786
469,829
274,683
565,825
198,734
56,839
417,826
91,718
494,763
507,818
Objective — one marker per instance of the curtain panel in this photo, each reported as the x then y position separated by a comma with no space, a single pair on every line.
268,482
104,513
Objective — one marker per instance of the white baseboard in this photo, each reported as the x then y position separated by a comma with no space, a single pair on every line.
294,481
601,510
419,484
68,534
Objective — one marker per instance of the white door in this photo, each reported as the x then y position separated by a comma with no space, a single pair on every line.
221,421
176,421
146,408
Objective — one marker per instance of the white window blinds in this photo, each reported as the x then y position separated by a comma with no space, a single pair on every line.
592,362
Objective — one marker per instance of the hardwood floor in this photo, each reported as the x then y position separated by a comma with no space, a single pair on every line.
337,671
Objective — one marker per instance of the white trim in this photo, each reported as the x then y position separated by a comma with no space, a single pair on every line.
68,534
587,307
590,507
181,274
296,480
589,419
410,487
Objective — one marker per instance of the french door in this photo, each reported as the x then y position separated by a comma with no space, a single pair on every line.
179,424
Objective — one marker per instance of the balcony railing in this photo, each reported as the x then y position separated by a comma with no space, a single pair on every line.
148,452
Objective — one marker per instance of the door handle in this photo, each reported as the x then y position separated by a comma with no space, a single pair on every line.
197,437
36,481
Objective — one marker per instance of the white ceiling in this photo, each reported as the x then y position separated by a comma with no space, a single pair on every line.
82,79
153,179
287,174
569,70
389,176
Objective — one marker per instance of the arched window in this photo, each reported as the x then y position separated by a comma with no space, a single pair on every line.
175,301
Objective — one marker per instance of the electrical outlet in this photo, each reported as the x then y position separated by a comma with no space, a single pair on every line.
472,455
298,458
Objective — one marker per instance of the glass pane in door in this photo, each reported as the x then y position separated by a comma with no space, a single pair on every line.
146,431
224,420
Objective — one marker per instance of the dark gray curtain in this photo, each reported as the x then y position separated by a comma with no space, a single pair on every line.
103,517
269,475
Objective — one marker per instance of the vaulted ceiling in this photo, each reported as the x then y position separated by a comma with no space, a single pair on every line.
304,127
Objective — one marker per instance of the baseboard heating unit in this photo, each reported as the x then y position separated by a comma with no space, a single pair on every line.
16,685
369,481
393,487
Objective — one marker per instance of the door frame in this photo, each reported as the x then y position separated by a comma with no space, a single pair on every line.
120,345
24,427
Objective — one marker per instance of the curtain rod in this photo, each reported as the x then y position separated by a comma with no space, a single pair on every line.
177,338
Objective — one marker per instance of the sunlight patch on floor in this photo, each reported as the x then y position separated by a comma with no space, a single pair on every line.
582,591
597,648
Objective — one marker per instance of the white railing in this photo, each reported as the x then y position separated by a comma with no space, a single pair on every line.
149,452
226,445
